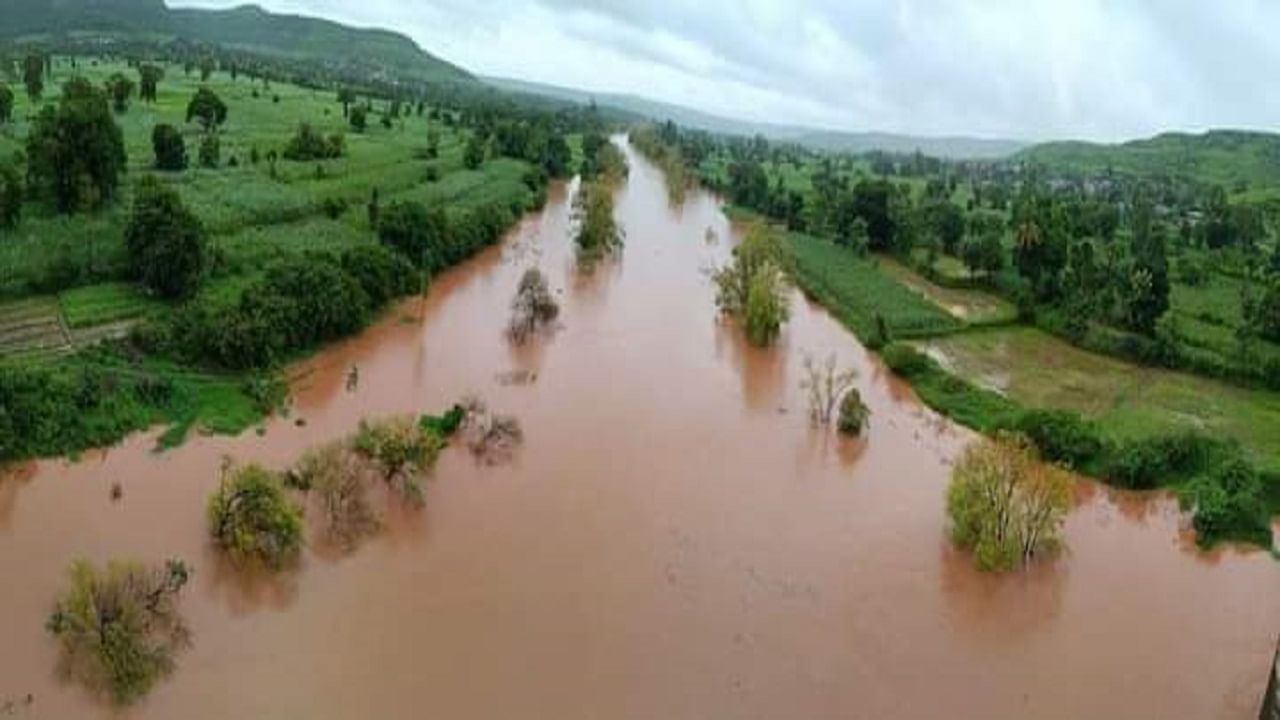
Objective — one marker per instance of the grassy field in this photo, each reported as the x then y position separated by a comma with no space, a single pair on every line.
1040,371
971,306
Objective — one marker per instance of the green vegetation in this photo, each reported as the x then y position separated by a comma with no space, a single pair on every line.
752,287
1004,504
251,519
258,255
119,628
401,449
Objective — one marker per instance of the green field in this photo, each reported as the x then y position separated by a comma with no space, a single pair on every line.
1040,371
857,290
971,306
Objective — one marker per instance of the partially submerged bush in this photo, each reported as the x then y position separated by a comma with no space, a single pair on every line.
490,436
855,416
401,450
1005,505
824,386
251,519
119,628
1228,504
753,287
533,306
337,476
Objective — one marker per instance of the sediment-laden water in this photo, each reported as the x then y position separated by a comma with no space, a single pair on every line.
673,541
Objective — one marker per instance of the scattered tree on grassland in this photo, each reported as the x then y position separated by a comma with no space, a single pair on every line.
533,306
12,193
165,241
753,287
149,77
75,151
120,88
119,628
308,144
208,108
33,75
210,151
359,118
1005,505
169,147
252,520
6,104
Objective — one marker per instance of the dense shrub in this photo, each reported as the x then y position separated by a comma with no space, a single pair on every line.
1228,503
1165,459
905,360
383,274
418,233
251,519
75,151
1061,436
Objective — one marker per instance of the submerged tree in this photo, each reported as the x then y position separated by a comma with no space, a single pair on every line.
119,628
251,519
401,450
753,288
854,414
1005,505
337,477
825,385
491,437
598,232
533,306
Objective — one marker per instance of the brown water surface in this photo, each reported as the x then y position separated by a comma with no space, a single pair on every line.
673,541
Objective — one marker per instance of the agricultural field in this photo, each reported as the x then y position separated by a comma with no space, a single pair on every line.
972,306
858,291
47,250
1041,371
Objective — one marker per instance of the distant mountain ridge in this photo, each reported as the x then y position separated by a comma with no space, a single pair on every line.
954,147
247,27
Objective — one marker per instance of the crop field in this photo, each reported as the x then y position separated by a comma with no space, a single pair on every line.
1209,315
856,290
1041,371
107,303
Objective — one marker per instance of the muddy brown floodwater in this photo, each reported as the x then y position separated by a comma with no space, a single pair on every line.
673,541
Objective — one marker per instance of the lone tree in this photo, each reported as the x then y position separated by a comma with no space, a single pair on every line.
119,628
33,75
76,151
165,242
753,288
6,103
208,108
149,77
1005,505
533,306
11,195
120,88
346,96
251,519
359,118
170,150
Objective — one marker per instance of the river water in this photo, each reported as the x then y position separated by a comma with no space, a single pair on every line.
673,540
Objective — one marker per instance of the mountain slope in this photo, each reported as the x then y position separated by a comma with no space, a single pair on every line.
1238,160
837,140
245,28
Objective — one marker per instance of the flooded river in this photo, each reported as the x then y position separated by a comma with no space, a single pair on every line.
673,540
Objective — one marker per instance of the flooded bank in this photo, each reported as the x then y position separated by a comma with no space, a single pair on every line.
673,540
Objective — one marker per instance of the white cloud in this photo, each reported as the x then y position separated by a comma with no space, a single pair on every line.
1035,69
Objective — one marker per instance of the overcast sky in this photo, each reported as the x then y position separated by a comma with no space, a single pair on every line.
1026,69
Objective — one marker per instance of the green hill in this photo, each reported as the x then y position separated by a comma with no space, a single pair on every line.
1246,163
248,28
